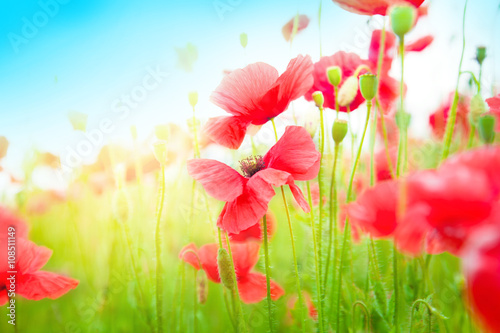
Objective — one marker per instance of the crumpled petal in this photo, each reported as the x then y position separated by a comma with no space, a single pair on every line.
227,131
253,288
39,285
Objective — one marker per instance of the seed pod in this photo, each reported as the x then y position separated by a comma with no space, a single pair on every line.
339,130
225,269
243,39
121,206
202,286
477,108
348,91
480,54
402,19
160,151
318,98
368,84
487,128
334,75
193,98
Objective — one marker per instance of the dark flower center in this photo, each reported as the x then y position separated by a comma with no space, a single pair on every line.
251,165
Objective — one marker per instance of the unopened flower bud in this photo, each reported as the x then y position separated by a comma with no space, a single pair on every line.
160,151
225,269
339,130
78,120
133,132
318,98
202,286
348,91
368,84
486,128
162,132
243,39
402,119
480,54
121,206
193,98
402,19
334,75
311,123
477,108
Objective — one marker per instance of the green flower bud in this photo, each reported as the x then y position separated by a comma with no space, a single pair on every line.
162,132
477,108
78,120
339,130
480,54
348,91
193,98
318,98
244,40
202,286
160,151
334,75
225,269
486,128
402,119
402,19
368,84
121,206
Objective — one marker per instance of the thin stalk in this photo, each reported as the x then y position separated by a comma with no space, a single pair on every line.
195,303
386,140
402,120
429,320
268,273
346,226
450,124
316,262
333,212
396,287
297,276
159,269
322,211
365,310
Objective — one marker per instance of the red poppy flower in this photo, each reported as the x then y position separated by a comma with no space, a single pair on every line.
382,163
287,29
348,62
312,311
8,219
373,7
254,95
30,282
256,231
494,104
420,44
438,119
251,285
293,157
481,265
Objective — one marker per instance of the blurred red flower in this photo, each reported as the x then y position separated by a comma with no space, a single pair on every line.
251,285
420,44
287,29
293,157
494,104
438,119
255,95
373,7
383,172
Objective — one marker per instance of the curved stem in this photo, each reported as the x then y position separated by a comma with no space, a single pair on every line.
450,124
268,273
159,281
365,310
429,322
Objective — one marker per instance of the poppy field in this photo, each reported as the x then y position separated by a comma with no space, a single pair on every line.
310,201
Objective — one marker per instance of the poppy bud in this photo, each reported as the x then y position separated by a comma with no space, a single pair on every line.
334,75
202,286
133,132
486,127
477,108
311,123
78,120
368,85
243,39
480,54
161,132
402,119
339,130
160,151
402,19
318,99
193,98
121,206
348,91
225,269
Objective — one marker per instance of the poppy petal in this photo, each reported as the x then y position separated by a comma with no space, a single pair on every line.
219,180
245,256
39,285
188,256
208,257
253,288
420,44
287,30
3,297
227,131
31,257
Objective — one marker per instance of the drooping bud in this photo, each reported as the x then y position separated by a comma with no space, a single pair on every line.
244,40
162,132
202,286
193,98
348,91
78,120
318,99
368,84
486,128
480,54
477,108
121,206
402,19
160,151
311,123
225,269
133,132
339,130
334,75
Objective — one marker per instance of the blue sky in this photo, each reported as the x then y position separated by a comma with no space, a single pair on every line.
90,53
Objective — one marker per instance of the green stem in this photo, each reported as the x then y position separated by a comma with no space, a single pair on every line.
402,118
268,273
322,211
396,287
333,212
159,281
450,124
363,306
195,303
429,322
348,199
